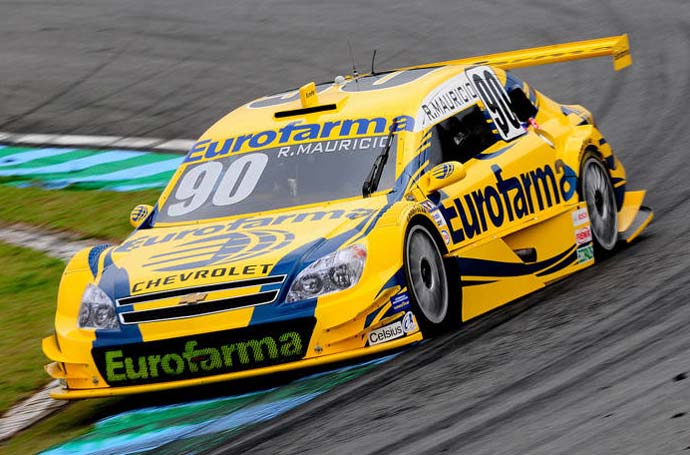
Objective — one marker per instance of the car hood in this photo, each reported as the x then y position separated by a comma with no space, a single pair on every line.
235,248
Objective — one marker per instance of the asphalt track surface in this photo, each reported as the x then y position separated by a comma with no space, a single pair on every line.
595,364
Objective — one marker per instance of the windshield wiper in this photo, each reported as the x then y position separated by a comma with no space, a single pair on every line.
371,184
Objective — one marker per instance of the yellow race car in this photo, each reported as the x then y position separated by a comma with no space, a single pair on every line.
345,219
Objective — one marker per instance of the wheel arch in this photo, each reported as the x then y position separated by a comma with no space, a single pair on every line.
431,227
601,250
452,271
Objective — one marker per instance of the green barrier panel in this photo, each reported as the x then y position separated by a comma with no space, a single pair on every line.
114,170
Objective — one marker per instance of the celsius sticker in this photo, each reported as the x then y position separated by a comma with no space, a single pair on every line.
585,254
386,333
408,324
580,216
583,235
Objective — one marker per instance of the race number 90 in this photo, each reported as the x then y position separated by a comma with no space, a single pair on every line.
223,187
496,101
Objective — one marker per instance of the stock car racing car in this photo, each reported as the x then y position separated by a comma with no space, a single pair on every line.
344,219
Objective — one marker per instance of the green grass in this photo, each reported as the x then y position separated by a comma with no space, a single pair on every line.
28,289
28,286
29,280
99,214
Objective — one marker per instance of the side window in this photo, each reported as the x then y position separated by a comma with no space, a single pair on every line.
435,150
521,98
522,106
464,135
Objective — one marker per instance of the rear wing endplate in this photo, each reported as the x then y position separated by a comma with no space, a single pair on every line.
616,46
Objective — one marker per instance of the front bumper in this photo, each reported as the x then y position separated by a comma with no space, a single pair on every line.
56,370
159,355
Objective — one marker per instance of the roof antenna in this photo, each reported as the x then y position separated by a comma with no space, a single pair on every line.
355,74
373,58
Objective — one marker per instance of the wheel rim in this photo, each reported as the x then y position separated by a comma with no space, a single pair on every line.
427,275
601,204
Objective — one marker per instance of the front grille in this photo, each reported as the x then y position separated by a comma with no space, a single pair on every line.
212,305
186,311
205,354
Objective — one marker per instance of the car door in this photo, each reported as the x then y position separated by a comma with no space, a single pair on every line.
511,177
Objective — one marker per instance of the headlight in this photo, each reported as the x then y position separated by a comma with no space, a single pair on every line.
97,310
334,272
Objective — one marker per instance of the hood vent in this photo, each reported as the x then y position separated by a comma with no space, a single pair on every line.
306,110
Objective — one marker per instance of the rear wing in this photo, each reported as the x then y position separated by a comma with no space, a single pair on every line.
616,46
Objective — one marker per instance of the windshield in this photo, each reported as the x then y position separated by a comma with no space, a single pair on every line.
276,178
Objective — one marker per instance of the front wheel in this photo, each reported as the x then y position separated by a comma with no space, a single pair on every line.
597,191
427,282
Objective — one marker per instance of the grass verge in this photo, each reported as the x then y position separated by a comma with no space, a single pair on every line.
29,280
99,214
28,286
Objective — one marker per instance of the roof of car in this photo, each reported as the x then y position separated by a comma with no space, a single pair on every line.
386,95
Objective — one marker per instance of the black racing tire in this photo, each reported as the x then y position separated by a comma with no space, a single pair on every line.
597,190
435,301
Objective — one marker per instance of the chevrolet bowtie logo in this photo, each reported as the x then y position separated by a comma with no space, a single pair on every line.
191,299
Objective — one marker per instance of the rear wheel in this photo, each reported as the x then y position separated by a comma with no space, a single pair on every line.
427,283
597,191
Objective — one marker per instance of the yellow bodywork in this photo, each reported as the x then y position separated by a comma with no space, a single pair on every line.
516,196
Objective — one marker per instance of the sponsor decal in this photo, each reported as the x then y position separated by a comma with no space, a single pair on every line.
446,236
580,216
414,211
139,213
341,145
400,302
583,236
428,205
393,331
242,224
463,91
204,355
408,324
297,131
443,171
509,199
585,254
386,333
222,249
216,272
438,218
448,99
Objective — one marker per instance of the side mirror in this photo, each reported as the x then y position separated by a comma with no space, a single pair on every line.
139,214
442,175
